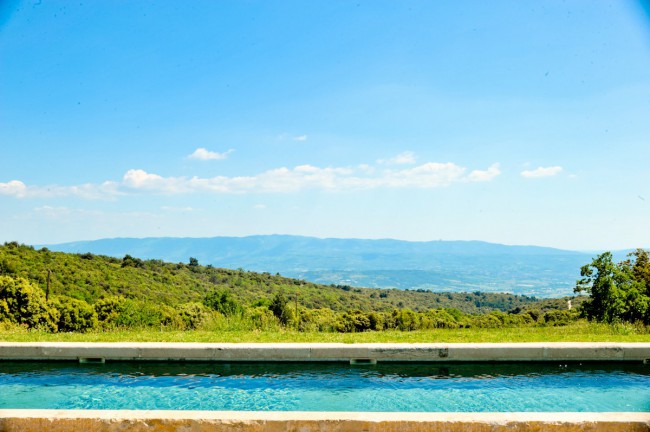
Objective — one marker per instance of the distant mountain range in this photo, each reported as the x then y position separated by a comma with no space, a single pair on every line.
454,266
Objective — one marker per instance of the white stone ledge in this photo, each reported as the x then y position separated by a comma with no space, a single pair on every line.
434,352
255,421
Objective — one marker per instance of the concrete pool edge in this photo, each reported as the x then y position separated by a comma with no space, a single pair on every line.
255,421
305,352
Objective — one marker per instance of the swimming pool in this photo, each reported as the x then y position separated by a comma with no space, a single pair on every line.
390,387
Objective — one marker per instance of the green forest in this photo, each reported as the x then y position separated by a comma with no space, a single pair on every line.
49,291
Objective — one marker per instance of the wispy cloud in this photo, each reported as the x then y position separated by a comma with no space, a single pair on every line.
279,180
178,209
292,137
59,212
486,175
204,154
404,158
310,177
542,172
18,189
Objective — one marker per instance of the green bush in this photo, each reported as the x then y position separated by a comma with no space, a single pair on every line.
193,315
23,303
439,318
280,308
487,321
317,320
223,302
406,319
263,319
560,317
136,314
75,315
109,309
353,322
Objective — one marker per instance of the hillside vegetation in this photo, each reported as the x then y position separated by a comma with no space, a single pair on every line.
450,266
74,292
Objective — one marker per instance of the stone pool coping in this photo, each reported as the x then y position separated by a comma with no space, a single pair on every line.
25,420
253,421
325,352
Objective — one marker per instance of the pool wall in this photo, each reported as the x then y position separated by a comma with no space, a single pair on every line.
26,420
299,352
204,421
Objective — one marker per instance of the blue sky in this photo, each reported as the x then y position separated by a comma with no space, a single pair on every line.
516,122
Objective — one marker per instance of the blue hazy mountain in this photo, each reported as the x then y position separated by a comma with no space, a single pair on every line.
434,265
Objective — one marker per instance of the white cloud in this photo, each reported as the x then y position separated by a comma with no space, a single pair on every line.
140,179
279,180
204,154
13,188
291,137
487,175
18,189
542,172
428,175
404,158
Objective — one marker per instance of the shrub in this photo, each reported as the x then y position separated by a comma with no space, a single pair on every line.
280,308
223,302
439,318
318,320
129,261
559,317
263,319
23,303
108,310
376,321
406,319
193,314
75,315
134,314
351,322
487,321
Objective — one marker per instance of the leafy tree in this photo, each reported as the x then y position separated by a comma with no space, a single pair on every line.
193,262
640,266
617,292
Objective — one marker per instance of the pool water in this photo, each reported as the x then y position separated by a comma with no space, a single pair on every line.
327,387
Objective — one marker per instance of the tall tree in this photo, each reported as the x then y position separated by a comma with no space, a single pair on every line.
617,292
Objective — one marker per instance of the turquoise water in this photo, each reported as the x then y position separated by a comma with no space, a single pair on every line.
326,387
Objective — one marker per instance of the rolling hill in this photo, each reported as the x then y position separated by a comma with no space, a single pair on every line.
452,266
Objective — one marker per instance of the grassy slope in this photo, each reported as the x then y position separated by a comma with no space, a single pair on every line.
90,277
580,331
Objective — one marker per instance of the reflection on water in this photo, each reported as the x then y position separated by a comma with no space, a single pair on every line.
327,386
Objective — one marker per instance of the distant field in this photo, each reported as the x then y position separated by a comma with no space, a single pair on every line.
578,332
